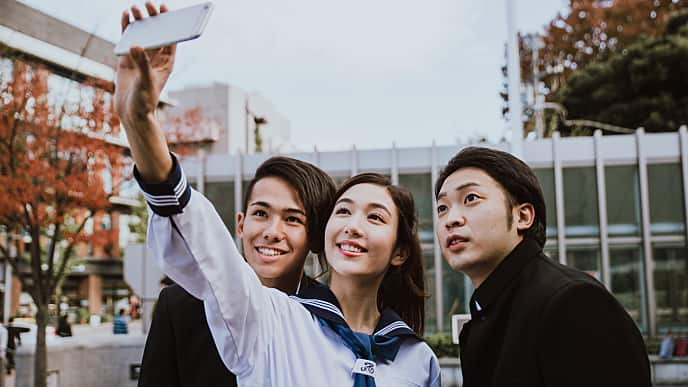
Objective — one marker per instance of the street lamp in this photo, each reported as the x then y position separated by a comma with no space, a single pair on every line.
257,121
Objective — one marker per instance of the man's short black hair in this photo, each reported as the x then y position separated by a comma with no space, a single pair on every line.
314,187
514,176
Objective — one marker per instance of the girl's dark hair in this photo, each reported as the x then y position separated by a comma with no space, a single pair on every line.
314,187
517,180
403,287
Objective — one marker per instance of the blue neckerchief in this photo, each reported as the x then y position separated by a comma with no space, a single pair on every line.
368,347
382,346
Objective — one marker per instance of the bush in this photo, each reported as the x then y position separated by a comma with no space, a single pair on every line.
442,345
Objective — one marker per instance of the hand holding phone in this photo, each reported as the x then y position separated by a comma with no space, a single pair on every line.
142,74
165,28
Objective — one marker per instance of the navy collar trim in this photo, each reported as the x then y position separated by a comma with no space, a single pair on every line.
320,301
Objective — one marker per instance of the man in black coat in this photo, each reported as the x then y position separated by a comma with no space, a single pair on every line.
283,214
533,322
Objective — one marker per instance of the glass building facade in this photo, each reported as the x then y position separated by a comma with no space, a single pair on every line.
616,209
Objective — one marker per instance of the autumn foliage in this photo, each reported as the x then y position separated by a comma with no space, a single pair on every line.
588,32
59,164
54,150
593,30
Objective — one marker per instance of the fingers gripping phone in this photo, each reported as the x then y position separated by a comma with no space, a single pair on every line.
165,28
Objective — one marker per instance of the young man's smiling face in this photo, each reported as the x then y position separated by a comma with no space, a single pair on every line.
273,233
477,227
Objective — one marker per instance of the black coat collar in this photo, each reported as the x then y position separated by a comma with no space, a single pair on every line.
502,276
320,301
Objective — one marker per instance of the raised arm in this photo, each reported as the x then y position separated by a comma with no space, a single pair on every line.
185,233
141,76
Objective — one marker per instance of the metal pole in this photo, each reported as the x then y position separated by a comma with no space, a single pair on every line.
559,198
354,161
7,306
200,181
683,136
238,200
514,73
605,269
246,126
439,296
395,165
647,245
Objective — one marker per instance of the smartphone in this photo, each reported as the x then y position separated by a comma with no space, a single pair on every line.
165,28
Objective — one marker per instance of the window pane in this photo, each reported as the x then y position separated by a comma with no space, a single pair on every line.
546,178
671,286
338,180
552,252
666,198
222,196
430,309
454,293
580,202
623,200
420,186
628,282
585,258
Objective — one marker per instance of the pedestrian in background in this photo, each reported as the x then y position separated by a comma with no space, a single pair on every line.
121,325
666,349
64,329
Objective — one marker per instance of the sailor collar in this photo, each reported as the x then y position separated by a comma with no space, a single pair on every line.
320,301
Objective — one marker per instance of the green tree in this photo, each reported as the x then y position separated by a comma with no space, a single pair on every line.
587,32
644,85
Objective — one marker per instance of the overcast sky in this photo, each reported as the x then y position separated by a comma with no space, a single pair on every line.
349,72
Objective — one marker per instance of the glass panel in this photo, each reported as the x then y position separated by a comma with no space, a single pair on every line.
454,293
580,202
584,258
546,178
628,282
430,309
338,180
552,251
671,287
420,186
666,198
221,194
623,200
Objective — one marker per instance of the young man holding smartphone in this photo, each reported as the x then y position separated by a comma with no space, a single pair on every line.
281,221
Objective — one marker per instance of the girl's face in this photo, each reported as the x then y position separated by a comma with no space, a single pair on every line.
360,236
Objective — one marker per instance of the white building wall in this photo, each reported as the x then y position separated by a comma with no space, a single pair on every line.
234,110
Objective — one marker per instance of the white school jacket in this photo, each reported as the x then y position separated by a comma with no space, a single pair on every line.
263,336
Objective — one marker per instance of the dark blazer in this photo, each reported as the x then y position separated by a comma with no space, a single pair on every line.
535,322
180,350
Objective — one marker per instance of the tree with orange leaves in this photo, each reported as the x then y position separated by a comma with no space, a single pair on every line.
593,30
56,147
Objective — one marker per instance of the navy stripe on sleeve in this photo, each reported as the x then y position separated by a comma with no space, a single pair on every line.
170,196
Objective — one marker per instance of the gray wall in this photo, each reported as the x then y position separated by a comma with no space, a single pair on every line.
85,361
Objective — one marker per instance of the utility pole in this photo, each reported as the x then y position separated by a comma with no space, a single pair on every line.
514,73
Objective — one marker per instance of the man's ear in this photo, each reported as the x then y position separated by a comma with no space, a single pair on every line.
524,214
399,257
240,224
